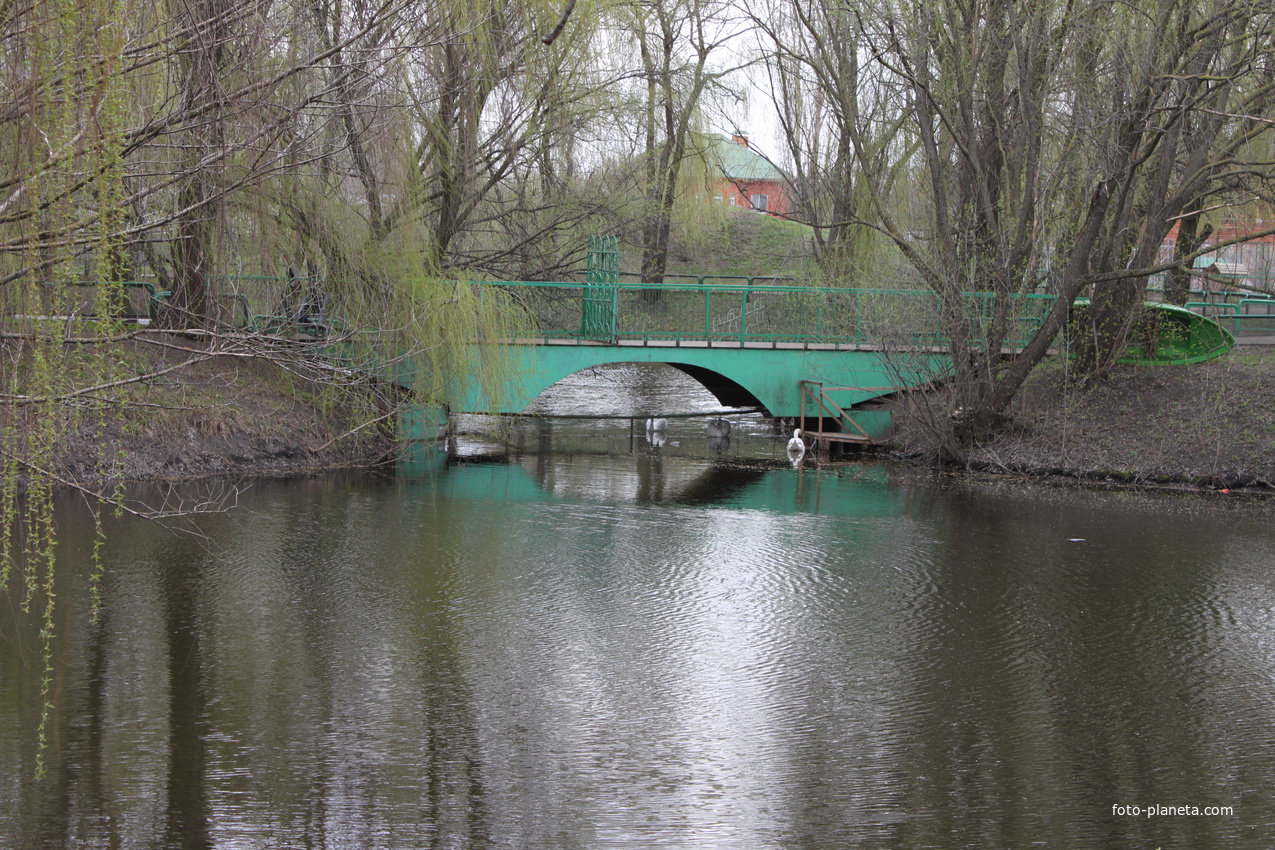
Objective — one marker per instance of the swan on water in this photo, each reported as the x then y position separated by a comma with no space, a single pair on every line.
718,428
795,445
657,424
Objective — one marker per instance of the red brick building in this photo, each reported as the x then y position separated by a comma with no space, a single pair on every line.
748,179
1250,264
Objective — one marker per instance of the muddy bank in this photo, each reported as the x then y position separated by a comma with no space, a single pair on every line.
223,416
1207,425
298,443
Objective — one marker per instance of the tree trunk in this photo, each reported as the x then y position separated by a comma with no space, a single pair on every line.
191,304
1177,285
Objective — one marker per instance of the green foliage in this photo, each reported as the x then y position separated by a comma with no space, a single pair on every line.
65,159
436,326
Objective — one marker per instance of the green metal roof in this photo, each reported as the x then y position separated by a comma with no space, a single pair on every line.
741,163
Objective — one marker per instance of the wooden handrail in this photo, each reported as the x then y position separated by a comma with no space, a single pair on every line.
825,402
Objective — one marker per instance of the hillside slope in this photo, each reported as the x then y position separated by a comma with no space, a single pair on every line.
744,243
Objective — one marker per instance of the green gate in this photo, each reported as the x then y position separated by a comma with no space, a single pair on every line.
601,290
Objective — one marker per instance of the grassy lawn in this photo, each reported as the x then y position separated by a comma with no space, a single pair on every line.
748,244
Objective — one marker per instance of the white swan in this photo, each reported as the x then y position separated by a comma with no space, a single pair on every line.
718,428
795,446
657,424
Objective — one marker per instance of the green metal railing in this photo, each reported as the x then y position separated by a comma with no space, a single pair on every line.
689,308
136,300
129,300
1245,317
598,302
759,313
683,308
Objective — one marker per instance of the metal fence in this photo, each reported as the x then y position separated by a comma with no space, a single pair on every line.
1245,316
762,313
685,308
131,300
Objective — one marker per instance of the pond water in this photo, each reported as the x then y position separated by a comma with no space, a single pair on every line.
561,643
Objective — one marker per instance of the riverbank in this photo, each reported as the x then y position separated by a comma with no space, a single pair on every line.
182,411
1209,425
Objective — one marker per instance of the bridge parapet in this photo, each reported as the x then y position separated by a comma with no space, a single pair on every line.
759,313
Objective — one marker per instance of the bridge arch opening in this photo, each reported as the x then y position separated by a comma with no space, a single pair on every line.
726,391
730,393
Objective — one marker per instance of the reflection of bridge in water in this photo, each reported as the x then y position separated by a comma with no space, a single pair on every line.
649,480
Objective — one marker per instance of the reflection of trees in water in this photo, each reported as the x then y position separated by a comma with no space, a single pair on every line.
650,477
258,687
455,794
39,820
399,745
1066,666
188,811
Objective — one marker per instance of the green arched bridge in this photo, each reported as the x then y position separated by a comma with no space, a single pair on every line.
790,349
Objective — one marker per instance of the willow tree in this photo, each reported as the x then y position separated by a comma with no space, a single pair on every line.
142,139
209,26
442,119
61,142
492,107
1204,75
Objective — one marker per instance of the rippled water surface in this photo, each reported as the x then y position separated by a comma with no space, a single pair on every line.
587,648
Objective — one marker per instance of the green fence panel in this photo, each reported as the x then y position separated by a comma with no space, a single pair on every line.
601,290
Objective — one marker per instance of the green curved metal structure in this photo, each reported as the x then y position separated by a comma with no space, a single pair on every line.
1169,335
739,375
753,342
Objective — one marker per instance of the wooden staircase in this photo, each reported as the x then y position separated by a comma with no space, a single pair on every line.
850,431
